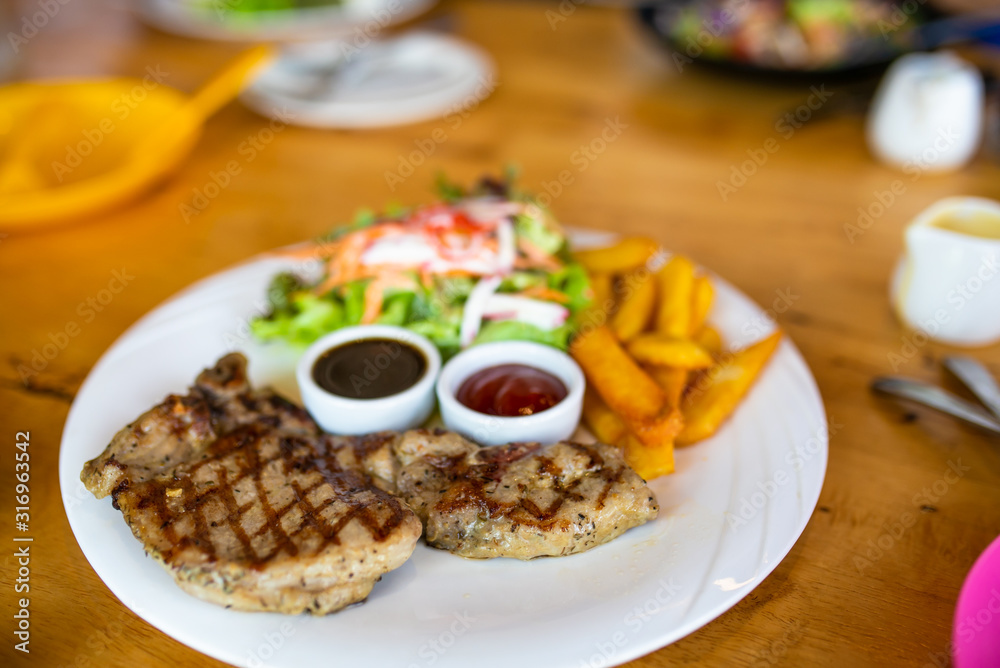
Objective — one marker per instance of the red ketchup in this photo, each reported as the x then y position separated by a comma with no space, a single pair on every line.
511,390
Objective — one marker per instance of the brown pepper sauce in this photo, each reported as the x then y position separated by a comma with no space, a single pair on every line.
369,368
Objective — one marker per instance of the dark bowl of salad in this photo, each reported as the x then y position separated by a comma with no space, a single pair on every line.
785,37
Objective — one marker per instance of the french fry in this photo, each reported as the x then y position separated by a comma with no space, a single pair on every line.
602,299
676,282
617,378
648,462
636,310
666,351
702,294
602,286
671,381
628,254
713,400
710,341
601,420
659,431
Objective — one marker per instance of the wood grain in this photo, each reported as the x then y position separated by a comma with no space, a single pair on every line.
673,137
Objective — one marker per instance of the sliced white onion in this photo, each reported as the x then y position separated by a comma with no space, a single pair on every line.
506,246
475,308
479,266
405,249
542,314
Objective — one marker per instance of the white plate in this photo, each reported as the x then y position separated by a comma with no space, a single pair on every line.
415,77
734,509
183,17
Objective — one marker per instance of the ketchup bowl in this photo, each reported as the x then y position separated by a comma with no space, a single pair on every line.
368,378
554,423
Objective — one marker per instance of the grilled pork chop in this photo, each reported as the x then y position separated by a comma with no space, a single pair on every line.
521,500
238,494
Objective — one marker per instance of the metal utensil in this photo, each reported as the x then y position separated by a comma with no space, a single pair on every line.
978,379
936,398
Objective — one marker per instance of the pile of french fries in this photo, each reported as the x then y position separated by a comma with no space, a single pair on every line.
657,373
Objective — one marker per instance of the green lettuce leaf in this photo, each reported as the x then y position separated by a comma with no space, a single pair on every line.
539,234
514,330
281,290
573,282
453,290
448,191
353,295
307,318
521,280
442,331
396,309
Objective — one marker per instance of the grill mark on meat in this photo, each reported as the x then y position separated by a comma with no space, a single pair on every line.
470,492
596,461
309,512
345,484
509,453
242,442
538,513
155,493
611,478
201,538
272,517
549,468
364,446
522,500
247,402
283,405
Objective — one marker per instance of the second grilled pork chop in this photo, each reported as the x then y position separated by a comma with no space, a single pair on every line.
247,504
521,500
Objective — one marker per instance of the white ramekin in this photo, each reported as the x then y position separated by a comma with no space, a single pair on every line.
344,415
549,426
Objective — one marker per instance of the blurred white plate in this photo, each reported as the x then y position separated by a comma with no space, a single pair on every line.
411,78
213,21
734,509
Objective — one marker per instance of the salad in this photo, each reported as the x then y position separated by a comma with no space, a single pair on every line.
484,264
787,34
255,6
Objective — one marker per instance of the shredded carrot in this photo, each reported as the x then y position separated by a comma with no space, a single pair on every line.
343,265
545,293
426,277
375,293
373,302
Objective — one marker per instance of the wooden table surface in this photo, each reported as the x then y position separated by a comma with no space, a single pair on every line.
681,133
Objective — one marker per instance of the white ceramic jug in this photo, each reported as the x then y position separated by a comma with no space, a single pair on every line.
947,283
927,114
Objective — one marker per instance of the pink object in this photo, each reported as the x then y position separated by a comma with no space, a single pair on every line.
976,630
